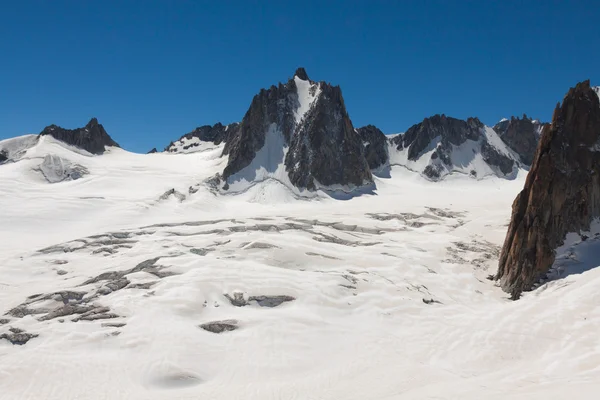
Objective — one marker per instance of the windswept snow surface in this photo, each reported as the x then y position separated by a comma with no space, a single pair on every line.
387,296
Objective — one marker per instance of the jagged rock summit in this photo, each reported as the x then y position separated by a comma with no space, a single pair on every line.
376,147
300,134
561,193
441,145
521,135
92,137
192,141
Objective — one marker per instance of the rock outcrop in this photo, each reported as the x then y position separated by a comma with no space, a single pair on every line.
215,134
299,131
561,193
453,145
92,137
376,146
521,135
57,169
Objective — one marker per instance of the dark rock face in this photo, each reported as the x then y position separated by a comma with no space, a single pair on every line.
561,193
323,147
216,134
273,106
92,138
376,146
153,151
443,134
3,156
450,130
521,135
220,326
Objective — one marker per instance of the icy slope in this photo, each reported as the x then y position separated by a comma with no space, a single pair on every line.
377,297
484,157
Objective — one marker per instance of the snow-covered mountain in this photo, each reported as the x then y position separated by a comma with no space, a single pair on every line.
442,145
130,277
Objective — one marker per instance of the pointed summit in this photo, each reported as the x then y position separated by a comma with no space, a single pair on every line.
93,122
301,74
92,138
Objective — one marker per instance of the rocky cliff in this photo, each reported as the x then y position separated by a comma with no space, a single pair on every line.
299,132
191,141
561,193
441,145
92,137
376,146
521,135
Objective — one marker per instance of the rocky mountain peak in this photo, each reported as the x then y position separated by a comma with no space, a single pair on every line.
299,130
301,74
92,138
521,135
561,193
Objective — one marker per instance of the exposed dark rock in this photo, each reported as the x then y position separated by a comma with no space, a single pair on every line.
270,301
216,134
323,147
145,285
4,321
3,156
238,300
431,301
18,336
201,252
495,158
220,326
113,324
153,151
172,192
521,135
376,146
443,135
561,193
301,73
113,286
67,309
450,131
92,137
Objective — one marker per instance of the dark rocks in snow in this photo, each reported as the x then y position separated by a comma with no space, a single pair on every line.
57,169
153,151
521,135
220,326
238,300
92,138
450,130
216,134
3,156
172,192
301,73
444,135
561,193
17,336
273,106
494,157
376,146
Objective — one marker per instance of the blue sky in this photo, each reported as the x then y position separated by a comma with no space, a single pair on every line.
151,71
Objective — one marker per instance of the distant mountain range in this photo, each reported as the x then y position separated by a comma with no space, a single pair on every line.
301,134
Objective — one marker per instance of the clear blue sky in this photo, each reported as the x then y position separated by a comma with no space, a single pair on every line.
151,71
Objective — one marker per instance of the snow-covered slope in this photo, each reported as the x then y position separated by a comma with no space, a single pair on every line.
114,294
484,157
